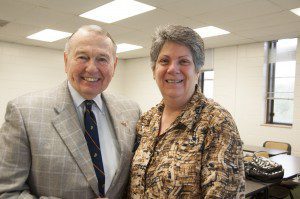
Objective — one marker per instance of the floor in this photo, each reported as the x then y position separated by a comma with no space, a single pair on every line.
296,193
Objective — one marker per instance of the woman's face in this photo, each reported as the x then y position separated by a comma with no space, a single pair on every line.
175,72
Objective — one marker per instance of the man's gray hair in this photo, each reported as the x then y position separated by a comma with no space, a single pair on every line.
181,35
91,28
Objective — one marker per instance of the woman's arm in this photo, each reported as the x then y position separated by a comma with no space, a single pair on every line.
222,173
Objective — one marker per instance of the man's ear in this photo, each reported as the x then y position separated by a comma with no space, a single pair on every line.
66,61
115,64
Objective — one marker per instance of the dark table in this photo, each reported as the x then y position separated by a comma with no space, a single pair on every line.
253,187
272,152
290,164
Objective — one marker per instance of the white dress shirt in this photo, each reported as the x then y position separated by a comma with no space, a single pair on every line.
110,149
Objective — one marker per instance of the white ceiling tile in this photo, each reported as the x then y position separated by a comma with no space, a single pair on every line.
237,12
248,20
9,38
159,3
288,4
225,40
115,30
58,45
274,32
149,21
14,29
72,23
190,8
136,38
274,19
11,10
42,17
68,6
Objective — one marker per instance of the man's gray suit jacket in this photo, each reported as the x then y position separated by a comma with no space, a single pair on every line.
43,151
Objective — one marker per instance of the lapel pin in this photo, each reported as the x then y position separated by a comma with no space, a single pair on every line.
124,123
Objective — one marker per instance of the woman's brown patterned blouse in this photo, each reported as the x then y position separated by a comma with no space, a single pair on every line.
198,156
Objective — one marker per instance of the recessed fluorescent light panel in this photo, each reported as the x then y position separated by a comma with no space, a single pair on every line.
117,10
123,47
210,31
49,35
296,11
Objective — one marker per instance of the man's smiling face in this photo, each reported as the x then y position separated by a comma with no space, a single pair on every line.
90,63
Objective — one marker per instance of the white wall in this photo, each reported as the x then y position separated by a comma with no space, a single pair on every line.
240,87
116,85
239,84
139,84
24,69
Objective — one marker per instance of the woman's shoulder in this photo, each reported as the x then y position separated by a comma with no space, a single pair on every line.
209,108
146,118
215,110
218,117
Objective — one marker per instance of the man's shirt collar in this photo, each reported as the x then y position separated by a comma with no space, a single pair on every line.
78,99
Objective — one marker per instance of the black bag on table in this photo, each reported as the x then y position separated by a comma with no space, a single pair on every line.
263,169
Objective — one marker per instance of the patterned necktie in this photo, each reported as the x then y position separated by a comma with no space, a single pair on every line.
92,139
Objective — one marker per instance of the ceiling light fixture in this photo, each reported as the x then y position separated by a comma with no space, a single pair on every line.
123,47
296,11
210,31
117,10
49,35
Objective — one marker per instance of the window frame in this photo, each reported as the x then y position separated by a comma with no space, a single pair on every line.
270,91
202,78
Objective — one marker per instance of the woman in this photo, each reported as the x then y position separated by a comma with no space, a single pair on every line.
188,146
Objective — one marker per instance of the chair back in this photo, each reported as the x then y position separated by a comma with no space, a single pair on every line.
262,154
278,145
248,158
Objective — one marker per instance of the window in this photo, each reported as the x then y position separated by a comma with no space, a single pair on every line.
207,83
281,78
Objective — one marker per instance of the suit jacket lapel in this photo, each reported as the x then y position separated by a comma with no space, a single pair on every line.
68,127
121,128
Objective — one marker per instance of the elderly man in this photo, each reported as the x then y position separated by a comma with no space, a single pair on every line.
73,141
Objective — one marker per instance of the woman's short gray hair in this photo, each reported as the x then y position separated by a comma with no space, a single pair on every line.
181,35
